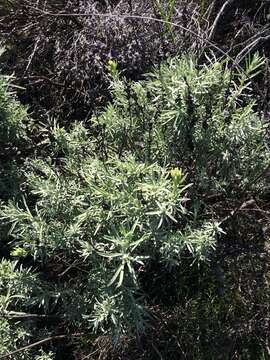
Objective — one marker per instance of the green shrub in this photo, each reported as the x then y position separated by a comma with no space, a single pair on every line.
200,118
113,217
121,200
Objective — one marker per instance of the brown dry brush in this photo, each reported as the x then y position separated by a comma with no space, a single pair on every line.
62,61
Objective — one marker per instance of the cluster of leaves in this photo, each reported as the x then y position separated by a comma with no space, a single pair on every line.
62,60
20,289
120,204
199,118
13,119
110,218
16,283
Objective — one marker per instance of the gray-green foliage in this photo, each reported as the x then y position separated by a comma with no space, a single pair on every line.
114,199
13,118
112,216
19,287
20,291
12,114
10,336
201,117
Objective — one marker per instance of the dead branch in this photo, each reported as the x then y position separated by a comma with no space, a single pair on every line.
218,17
38,343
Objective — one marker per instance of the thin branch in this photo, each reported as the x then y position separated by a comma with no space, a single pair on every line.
219,15
32,56
74,265
157,351
13,315
210,10
233,212
265,30
38,343
45,78
251,47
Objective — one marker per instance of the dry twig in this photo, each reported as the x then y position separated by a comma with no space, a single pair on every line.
38,343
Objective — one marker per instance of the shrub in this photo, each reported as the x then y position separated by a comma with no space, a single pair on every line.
113,217
121,203
200,118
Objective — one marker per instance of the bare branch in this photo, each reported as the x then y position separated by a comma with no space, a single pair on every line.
38,343
219,15
251,47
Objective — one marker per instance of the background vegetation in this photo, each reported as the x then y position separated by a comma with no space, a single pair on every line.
134,180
